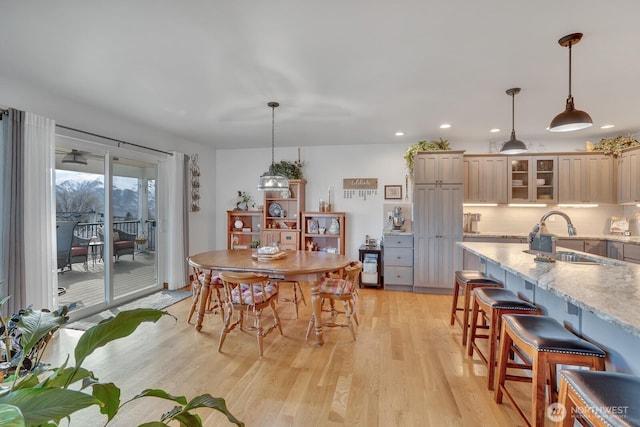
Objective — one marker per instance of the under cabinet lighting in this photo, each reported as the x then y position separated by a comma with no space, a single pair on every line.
477,205
527,205
578,205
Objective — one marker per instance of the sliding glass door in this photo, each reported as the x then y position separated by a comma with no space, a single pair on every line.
104,198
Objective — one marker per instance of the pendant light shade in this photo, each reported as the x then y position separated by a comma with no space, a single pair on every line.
74,157
570,119
272,181
513,145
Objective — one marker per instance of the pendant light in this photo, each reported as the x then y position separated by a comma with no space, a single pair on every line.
272,181
513,145
74,157
570,119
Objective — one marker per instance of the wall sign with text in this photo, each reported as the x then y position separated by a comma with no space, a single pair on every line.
359,187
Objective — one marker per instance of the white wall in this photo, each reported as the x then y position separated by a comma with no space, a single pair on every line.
323,167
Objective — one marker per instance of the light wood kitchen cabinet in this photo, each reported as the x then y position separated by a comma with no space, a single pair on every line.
398,262
615,250
596,247
243,229
533,179
317,231
281,216
485,179
437,227
629,176
438,167
585,178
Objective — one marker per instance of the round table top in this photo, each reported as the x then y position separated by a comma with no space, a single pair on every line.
296,262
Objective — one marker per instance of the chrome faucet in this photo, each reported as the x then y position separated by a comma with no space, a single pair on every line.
541,227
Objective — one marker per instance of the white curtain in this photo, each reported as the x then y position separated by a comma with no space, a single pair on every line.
39,212
172,250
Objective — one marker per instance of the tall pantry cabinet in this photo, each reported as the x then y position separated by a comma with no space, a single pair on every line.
437,212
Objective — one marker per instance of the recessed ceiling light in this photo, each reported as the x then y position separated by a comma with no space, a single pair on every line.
445,126
607,126
399,133
494,130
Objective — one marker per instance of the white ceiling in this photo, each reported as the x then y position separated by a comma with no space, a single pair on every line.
345,72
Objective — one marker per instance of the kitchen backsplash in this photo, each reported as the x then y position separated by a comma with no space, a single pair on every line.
521,220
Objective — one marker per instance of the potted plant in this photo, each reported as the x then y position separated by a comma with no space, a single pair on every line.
244,201
411,151
44,395
284,168
614,146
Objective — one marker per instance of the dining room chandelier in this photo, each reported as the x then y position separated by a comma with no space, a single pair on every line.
513,145
570,119
272,181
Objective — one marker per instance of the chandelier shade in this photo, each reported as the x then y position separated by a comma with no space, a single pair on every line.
272,181
570,119
513,145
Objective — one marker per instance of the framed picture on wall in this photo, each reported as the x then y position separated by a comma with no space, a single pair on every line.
393,192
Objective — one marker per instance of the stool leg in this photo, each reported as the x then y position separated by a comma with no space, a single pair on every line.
540,365
505,349
494,327
474,325
465,314
454,306
568,404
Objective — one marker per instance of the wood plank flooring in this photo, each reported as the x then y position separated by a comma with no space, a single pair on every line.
407,368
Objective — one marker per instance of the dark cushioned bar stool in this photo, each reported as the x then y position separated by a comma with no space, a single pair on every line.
465,282
490,304
545,343
601,398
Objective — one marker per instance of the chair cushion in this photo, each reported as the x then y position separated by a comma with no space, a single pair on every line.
601,392
78,250
116,236
270,290
123,244
498,298
546,334
329,285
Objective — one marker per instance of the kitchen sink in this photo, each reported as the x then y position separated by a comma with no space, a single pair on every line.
570,257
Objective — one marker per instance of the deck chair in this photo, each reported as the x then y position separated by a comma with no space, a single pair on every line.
64,236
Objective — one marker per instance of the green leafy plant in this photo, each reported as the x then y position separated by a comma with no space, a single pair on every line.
614,146
45,395
411,151
284,168
244,201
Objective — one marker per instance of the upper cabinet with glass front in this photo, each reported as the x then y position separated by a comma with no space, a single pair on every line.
533,179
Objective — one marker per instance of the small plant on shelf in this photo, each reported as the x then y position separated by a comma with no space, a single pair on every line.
244,201
614,146
410,153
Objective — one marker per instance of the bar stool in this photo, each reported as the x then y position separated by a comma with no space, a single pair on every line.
545,343
467,280
491,304
601,398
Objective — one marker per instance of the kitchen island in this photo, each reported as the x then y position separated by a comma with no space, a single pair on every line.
598,301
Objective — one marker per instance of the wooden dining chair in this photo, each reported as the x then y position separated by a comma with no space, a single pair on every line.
336,289
248,294
214,303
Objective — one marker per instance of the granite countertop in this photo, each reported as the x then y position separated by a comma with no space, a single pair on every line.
611,291
611,237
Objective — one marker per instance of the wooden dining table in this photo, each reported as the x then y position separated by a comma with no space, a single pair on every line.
304,267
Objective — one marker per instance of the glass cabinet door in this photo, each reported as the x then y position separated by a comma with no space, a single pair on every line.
545,179
519,180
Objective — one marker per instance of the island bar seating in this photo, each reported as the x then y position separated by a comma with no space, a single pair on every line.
465,282
601,398
248,293
490,304
545,343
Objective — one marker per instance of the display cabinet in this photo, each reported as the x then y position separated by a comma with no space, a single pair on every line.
281,215
324,231
532,179
243,229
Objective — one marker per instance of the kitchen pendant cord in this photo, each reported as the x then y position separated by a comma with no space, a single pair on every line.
113,139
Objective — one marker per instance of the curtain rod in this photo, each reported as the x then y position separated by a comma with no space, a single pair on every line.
113,139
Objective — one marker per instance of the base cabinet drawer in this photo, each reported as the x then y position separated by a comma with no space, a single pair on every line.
398,275
400,257
631,253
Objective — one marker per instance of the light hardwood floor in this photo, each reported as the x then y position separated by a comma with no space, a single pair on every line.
407,368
